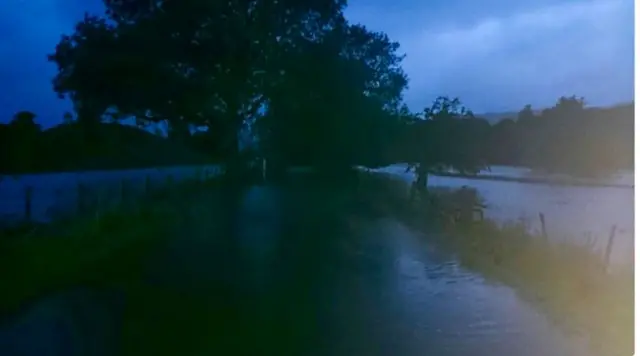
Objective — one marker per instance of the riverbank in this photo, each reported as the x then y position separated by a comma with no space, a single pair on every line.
566,279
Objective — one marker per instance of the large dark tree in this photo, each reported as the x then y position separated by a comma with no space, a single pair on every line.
446,137
189,61
334,106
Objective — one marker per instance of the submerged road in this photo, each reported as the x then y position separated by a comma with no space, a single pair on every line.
305,269
310,272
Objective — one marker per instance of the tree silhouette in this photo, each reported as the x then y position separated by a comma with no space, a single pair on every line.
337,114
447,136
25,121
566,138
67,118
314,88
187,60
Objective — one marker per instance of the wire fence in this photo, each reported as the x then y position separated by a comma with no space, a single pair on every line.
43,203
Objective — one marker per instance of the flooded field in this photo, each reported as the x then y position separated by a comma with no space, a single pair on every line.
570,212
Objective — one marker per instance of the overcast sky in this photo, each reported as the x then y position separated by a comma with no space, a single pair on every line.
495,55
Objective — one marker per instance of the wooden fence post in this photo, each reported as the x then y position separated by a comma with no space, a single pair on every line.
607,256
264,169
147,185
123,191
543,226
80,198
28,199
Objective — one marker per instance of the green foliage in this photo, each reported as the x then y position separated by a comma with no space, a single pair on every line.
566,138
339,113
446,137
188,61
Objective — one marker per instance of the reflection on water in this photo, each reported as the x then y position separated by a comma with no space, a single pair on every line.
386,291
461,313
571,212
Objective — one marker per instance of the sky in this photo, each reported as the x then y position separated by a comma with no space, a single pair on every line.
495,55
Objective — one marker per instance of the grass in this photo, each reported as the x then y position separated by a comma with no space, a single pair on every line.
114,254
566,278
40,259
41,264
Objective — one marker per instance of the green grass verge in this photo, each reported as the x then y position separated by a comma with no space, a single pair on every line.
47,261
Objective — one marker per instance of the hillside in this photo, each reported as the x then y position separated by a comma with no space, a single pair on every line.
65,148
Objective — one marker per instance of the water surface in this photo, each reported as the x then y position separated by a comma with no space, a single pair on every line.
303,268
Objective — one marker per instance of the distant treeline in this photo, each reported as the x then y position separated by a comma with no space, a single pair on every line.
26,148
567,138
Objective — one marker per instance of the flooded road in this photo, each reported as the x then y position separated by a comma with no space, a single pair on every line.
306,269
311,273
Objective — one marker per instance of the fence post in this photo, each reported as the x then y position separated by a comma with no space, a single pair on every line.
123,191
264,169
99,202
147,184
28,198
607,256
543,225
80,197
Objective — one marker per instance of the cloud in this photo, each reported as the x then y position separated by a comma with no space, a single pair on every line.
532,55
494,54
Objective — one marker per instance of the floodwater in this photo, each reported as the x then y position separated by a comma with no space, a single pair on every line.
57,193
570,212
311,271
321,276
575,212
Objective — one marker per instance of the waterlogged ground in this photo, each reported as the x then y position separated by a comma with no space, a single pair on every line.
575,212
304,269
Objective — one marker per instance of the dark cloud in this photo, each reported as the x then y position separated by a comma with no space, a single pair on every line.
495,54
499,56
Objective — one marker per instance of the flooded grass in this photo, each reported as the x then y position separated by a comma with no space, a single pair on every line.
114,255
39,260
566,278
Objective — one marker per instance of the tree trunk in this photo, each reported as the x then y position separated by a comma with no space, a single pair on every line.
235,167
232,156
422,178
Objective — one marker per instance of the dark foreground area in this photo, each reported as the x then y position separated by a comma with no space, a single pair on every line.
302,268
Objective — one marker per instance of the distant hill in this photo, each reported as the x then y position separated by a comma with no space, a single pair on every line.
495,117
64,148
